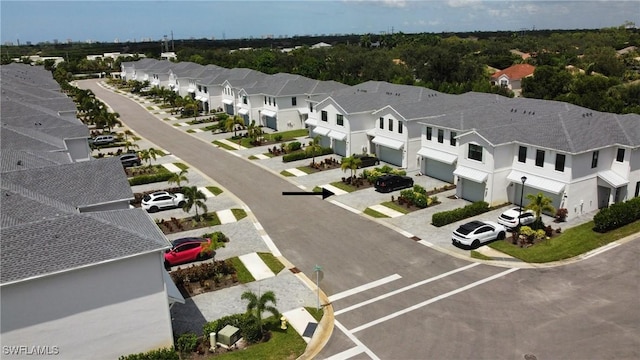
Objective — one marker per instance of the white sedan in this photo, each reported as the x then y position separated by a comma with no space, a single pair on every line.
476,233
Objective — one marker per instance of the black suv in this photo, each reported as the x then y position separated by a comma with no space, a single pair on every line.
387,183
367,160
129,160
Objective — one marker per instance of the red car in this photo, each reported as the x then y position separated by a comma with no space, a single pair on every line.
186,250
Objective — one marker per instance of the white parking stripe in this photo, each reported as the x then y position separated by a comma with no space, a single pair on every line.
347,354
355,340
364,287
431,301
406,288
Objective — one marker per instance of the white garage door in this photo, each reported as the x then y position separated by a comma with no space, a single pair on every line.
555,198
340,147
438,169
390,156
471,190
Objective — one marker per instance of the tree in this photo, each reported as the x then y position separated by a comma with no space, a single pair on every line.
231,122
314,146
540,203
351,163
148,154
258,305
178,178
254,132
194,198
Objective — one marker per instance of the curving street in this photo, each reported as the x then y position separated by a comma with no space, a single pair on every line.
395,298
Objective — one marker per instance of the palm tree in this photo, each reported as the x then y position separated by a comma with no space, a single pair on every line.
351,163
194,197
540,203
178,178
128,144
255,132
148,154
258,305
231,122
314,146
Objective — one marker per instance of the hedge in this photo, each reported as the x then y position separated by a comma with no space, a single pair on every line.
451,216
147,179
299,155
617,215
160,354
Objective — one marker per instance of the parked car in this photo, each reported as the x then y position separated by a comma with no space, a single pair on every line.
129,160
367,160
102,140
509,218
186,250
476,233
160,200
388,182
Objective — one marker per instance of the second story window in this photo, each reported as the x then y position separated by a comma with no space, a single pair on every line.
294,101
400,128
244,100
620,155
594,159
452,138
390,124
522,154
440,136
540,158
310,107
560,158
381,124
339,120
323,115
265,100
429,132
475,152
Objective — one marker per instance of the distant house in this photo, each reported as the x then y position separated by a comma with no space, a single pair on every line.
512,76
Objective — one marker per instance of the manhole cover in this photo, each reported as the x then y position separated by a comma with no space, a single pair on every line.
530,357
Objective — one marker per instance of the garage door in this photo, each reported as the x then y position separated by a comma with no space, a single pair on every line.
340,147
438,169
390,156
471,190
271,122
555,198
228,109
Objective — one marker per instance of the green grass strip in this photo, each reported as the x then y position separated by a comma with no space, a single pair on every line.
244,276
345,187
289,135
373,213
477,255
239,213
284,344
315,312
191,131
286,173
307,170
181,166
272,262
224,146
396,207
214,190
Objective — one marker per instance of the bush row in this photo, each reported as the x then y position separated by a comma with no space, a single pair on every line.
300,154
204,271
451,216
617,215
373,175
160,354
148,179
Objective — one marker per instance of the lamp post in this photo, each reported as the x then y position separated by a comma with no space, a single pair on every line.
523,179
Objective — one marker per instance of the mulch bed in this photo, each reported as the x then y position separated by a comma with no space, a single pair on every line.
175,225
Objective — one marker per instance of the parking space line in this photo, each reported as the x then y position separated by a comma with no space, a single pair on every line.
355,340
406,288
431,301
347,354
364,287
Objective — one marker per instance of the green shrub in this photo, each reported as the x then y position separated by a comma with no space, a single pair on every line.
299,155
250,330
277,137
293,146
215,326
160,354
451,216
148,179
187,342
617,215
375,173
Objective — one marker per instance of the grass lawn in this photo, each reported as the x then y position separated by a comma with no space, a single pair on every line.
239,213
477,255
214,190
191,131
315,312
572,242
395,207
286,173
345,187
307,169
244,276
284,344
373,213
272,262
317,189
224,146
289,135
181,166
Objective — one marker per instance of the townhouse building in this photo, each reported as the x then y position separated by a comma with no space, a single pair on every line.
81,273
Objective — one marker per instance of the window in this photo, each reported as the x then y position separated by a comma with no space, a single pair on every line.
294,101
440,136
310,107
269,101
323,115
381,123
429,131
522,154
560,162
594,159
400,128
339,120
390,124
244,99
475,152
452,138
265,100
637,189
540,158
205,89
274,101
620,155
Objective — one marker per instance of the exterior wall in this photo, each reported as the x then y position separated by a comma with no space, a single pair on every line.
101,312
634,173
486,165
78,149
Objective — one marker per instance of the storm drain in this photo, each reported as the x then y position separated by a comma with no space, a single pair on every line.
415,238
294,270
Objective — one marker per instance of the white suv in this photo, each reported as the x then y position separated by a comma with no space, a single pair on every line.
476,233
162,200
510,217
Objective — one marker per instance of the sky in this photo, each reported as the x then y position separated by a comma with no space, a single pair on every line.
25,21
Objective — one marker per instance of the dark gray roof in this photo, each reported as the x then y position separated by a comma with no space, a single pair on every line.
12,160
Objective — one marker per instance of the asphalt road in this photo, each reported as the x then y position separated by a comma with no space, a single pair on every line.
397,299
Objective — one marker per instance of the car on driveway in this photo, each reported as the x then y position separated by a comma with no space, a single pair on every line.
513,218
388,183
102,140
129,160
186,250
475,233
160,200
367,160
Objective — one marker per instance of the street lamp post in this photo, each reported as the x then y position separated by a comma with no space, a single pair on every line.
523,179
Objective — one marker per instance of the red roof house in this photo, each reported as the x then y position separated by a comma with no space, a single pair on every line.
511,77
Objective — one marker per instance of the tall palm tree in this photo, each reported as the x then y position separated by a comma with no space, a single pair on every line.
231,122
255,132
539,204
178,178
258,305
351,163
194,197
148,154
314,147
